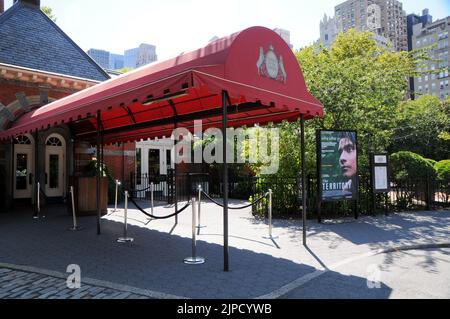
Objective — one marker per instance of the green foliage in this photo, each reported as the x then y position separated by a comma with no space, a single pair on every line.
359,84
422,126
443,170
408,165
49,12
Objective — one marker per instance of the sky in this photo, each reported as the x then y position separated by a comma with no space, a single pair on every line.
177,26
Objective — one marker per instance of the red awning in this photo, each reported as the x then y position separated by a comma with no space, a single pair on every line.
255,66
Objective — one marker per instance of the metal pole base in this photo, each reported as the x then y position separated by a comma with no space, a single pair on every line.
271,237
78,228
194,260
125,240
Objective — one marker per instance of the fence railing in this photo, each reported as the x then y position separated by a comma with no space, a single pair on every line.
412,194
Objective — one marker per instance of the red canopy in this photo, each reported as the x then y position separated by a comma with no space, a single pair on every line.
255,66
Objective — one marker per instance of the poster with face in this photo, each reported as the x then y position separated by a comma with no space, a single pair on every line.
338,165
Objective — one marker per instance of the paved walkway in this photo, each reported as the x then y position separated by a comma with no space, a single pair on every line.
152,266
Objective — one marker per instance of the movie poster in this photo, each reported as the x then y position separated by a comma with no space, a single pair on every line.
338,165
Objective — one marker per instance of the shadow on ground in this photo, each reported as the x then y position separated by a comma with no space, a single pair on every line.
154,261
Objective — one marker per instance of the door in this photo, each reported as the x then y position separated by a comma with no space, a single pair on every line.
23,168
54,168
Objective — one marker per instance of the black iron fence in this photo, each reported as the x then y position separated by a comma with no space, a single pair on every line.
403,195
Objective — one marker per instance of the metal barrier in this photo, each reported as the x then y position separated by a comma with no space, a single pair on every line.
125,238
75,227
194,259
271,236
199,226
38,201
118,183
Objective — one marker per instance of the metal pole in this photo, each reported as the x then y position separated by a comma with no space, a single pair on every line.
36,169
194,260
152,187
38,201
225,182
199,226
74,217
302,129
98,173
115,201
125,238
271,236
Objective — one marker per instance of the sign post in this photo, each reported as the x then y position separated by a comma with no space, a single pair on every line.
380,176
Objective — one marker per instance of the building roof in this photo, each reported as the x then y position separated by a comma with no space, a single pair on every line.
256,67
28,38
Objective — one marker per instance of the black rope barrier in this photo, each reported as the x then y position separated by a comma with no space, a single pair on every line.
158,217
237,208
141,190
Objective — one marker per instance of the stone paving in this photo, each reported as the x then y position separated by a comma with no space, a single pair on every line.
16,284
152,266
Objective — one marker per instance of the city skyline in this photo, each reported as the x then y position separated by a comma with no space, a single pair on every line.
93,30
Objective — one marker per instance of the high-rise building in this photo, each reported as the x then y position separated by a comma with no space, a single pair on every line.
329,31
434,75
116,61
137,57
413,19
285,35
100,56
385,18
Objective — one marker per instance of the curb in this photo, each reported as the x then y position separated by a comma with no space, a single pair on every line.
94,282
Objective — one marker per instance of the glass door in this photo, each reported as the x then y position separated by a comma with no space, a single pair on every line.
23,179
54,167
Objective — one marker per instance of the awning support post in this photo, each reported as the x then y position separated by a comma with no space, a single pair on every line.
302,146
175,125
98,172
225,181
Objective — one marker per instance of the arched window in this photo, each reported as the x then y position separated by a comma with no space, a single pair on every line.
54,141
22,140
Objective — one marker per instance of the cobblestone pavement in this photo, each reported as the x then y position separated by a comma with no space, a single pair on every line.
16,284
152,266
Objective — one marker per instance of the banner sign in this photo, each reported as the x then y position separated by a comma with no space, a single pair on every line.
338,165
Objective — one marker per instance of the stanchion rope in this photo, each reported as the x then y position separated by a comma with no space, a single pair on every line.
157,217
237,208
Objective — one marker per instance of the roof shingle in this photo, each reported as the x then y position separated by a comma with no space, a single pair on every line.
28,38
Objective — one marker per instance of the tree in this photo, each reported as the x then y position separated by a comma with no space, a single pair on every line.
360,85
422,126
49,12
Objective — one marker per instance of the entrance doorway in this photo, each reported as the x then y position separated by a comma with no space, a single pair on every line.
54,166
153,161
23,167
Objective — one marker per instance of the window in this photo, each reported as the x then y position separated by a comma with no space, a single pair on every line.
433,76
138,166
442,85
419,79
54,141
426,78
22,140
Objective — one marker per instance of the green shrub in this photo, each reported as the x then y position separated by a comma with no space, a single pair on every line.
443,170
408,165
